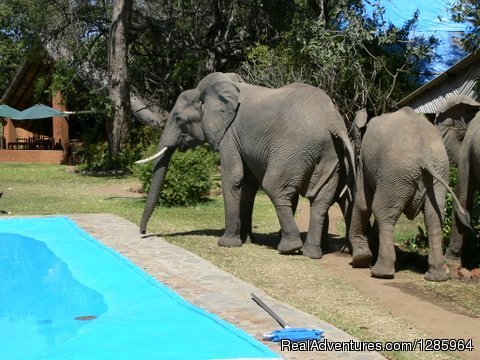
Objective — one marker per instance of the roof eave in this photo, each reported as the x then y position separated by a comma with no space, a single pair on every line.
467,60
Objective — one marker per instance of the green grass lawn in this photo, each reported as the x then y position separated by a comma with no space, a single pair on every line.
37,189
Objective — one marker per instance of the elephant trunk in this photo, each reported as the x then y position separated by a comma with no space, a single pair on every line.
159,172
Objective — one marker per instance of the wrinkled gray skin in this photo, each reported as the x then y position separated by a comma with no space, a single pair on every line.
459,123
289,140
403,168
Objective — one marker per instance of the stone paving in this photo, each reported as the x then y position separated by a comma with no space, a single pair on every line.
209,287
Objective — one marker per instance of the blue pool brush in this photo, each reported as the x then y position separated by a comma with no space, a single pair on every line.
288,332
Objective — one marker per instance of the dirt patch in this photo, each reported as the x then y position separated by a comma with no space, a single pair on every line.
127,189
402,296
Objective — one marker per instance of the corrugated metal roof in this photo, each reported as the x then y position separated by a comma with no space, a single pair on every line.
460,79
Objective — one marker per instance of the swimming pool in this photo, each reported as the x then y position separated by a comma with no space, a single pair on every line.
64,295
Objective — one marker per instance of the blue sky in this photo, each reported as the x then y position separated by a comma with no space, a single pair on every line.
434,19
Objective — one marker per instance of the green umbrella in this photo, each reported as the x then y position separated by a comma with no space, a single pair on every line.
38,111
8,112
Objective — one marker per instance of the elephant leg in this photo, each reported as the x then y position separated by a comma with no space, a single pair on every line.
295,199
249,190
386,216
433,215
360,224
281,198
232,182
290,235
359,231
318,223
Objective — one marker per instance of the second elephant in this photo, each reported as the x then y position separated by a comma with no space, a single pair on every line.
403,169
459,123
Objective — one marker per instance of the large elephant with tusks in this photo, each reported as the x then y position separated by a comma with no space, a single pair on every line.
289,141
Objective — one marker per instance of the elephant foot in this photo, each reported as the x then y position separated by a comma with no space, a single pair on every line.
436,275
230,241
453,262
361,257
312,252
383,270
289,245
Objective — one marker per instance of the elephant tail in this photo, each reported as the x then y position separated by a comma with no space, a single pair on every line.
351,171
462,214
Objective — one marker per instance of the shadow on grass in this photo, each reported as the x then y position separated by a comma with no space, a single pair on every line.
269,240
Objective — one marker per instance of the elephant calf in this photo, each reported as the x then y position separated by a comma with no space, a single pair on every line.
403,167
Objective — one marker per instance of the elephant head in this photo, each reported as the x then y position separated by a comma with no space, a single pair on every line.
452,121
199,115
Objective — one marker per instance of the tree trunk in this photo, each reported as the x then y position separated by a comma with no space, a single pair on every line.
143,110
119,86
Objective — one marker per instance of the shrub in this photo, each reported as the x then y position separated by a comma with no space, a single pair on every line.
475,215
471,248
189,179
97,158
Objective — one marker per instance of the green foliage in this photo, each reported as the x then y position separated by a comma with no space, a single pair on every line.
97,158
189,179
472,246
417,244
475,215
360,61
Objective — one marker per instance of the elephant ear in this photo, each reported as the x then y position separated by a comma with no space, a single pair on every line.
452,121
458,108
361,119
235,77
358,128
220,98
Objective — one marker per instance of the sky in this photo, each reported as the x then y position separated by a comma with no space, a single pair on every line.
434,19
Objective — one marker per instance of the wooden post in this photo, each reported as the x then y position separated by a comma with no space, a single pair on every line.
60,124
9,132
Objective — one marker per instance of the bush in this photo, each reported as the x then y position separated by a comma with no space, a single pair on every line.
190,177
475,215
97,158
471,248
94,156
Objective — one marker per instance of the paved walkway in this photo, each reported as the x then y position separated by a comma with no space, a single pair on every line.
209,287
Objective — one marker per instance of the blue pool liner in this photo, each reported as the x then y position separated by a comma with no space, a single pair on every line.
65,295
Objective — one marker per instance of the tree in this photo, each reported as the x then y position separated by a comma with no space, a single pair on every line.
118,75
468,10
359,60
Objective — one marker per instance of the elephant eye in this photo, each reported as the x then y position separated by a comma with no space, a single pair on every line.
178,120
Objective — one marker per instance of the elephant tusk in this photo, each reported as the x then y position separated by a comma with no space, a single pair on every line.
345,188
153,157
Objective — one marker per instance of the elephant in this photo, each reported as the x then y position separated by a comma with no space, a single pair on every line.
459,123
403,168
291,141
